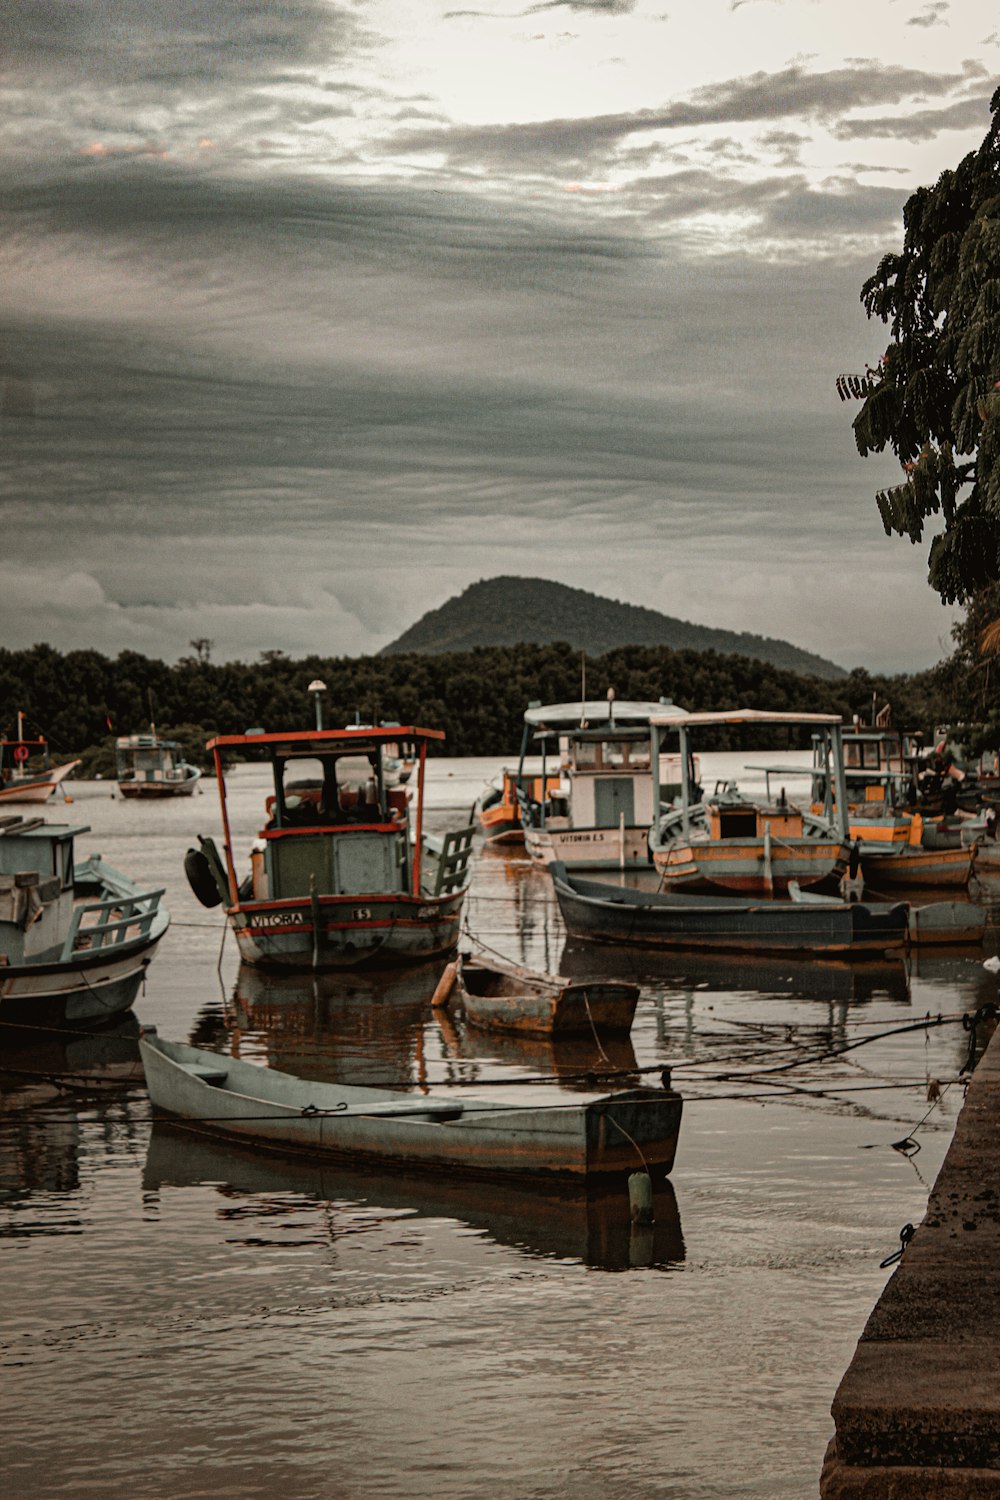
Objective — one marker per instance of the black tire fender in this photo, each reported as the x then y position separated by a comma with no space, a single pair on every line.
200,878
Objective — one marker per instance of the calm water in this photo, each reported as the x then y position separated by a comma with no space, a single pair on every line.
186,1319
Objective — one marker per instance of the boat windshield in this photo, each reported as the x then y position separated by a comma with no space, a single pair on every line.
328,789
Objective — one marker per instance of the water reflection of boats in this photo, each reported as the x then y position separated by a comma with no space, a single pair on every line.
593,1228
41,1077
575,1061
807,979
340,1027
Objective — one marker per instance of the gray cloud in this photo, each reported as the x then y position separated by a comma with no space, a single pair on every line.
792,93
921,124
931,15
188,45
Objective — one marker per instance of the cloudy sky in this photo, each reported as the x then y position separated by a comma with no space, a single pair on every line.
313,313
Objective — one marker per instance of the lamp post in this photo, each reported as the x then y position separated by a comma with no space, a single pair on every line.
317,689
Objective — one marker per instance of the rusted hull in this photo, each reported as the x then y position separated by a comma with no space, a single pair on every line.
352,930
607,1137
743,866
568,1010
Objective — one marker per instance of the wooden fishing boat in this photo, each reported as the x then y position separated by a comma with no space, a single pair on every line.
598,817
19,780
153,768
75,939
502,998
896,845
731,842
652,918
337,877
612,1135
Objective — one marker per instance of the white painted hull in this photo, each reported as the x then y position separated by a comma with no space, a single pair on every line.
589,848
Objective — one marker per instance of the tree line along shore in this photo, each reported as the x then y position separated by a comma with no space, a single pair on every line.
81,700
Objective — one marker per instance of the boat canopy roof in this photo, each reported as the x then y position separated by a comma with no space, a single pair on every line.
38,828
594,733
600,712
144,742
743,716
325,741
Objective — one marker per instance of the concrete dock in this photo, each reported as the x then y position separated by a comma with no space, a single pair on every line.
918,1412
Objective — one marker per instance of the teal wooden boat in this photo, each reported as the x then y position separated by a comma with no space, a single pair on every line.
609,1136
76,939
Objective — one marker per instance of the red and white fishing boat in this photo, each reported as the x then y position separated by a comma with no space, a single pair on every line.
342,872
20,781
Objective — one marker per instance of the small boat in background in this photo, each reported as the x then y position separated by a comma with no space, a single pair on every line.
19,780
151,767
75,939
608,1136
501,998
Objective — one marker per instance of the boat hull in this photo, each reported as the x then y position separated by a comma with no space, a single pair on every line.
82,990
156,791
522,1005
579,1141
35,788
589,848
743,866
611,914
352,930
906,866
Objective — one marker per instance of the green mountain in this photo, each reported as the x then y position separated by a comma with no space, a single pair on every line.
512,611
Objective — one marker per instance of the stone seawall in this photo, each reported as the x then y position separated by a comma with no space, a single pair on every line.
918,1412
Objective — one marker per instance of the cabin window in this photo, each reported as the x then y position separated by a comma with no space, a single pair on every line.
738,823
586,757
330,789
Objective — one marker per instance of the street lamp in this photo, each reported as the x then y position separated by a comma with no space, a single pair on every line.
317,689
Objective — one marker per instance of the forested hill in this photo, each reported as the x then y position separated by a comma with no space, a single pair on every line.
509,611
80,700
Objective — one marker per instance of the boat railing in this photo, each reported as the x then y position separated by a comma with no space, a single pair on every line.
113,922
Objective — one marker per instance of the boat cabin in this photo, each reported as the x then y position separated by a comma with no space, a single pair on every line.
334,824
751,820
36,887
147,758
602,752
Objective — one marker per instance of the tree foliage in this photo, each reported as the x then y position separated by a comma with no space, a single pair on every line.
81,700
935,398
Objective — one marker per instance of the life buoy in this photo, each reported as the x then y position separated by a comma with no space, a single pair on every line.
21,753
200,878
